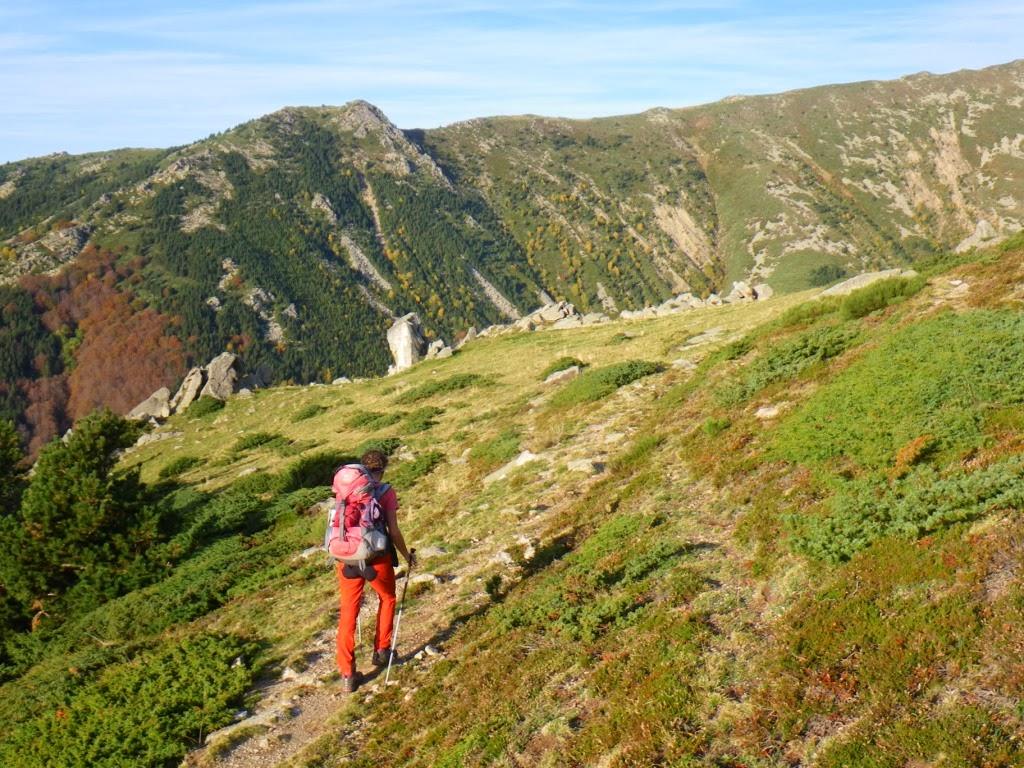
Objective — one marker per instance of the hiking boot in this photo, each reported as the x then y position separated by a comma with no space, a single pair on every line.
380,658
349,683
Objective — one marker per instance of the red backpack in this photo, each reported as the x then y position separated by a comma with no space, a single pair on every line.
356,528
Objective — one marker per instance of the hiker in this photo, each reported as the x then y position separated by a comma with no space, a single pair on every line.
380,572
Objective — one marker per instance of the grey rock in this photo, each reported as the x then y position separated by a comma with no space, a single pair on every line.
406,341
221,376
445,352
431,551
566,374
552,313
434,348
157,405
525,323
586,466
341,380
763,291
573,321
499,474
593,318
188,391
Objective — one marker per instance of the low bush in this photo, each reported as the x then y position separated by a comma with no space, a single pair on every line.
879,295
257,440
407,473
421,419
826,274
560,365
312,471
308,412
497,450
204,406
370,420
808,312
922,502
441,386
597,383
714,427
787,360
178,466
921,380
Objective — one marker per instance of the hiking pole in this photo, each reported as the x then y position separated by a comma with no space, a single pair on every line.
398,621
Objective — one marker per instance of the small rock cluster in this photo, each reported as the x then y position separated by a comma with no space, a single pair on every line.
219,379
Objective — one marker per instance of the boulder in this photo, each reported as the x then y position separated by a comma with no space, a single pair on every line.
157,406
470,335
552,313
860,281
593,318
714,300
763,291
499,474
221,376
445,352
434,347
741,291
188,391
587,466
566,374
341,380
573,321
524,323
406,341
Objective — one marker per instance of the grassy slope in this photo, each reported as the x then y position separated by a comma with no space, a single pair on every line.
730,590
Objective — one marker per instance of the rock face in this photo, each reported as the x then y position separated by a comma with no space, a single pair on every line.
565,374
156,406
406,341
188,391
860,281
221,376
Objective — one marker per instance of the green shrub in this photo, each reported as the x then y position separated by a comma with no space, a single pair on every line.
922,502
786,360
148,711
497,450
597,383
308,412
204,406
441,386
315,470
386,445
808,312
178,466
638,453
879,295
826,274
257,440
370,420
421,419
714,427
560,365
922,380
406,474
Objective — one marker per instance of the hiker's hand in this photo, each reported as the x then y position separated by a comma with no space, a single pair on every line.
411,558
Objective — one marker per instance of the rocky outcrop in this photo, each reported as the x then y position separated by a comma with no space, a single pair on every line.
406,342
188,391
438,350
222,376
156,406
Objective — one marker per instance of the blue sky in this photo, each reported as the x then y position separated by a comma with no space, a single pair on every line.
82,76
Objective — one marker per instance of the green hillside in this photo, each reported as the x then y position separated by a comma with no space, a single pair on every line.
773,534
296,238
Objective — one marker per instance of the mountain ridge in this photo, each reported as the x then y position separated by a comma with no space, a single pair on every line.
311,224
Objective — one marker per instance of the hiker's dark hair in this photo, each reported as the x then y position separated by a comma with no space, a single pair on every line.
375,461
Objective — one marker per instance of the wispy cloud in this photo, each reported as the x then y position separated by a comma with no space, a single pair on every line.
118,75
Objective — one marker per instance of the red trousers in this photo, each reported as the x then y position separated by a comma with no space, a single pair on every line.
350,592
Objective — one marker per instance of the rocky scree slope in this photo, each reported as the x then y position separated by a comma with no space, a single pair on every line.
769,534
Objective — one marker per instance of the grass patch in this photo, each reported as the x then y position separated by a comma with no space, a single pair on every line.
441,386
598,383
714,427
